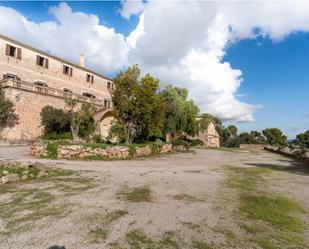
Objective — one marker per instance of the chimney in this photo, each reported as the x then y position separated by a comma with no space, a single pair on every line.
82,60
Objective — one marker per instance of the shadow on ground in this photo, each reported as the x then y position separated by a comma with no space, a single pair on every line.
294,167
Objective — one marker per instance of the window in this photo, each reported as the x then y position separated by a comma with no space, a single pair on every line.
107,103
110,85
89,95
67,70
10,76
67,90
41,86
13,51
41,61
89,78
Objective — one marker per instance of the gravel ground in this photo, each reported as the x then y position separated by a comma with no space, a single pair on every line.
188,201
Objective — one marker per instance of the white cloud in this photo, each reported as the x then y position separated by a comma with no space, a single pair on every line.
131,7
72,34
181,42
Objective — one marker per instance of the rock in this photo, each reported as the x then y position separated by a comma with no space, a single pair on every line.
39,166
10,178
143,151
42,174
24,177
25,165
166,148
5,172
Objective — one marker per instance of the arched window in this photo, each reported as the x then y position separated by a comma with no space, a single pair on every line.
40,86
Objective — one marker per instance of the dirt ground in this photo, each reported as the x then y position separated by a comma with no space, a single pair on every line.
182,200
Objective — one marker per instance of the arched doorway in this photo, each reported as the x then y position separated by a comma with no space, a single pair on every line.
104,119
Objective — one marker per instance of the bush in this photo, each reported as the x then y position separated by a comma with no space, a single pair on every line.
181,142
55,120
197,142
54,136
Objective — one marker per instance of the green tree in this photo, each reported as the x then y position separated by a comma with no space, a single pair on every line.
80,117
303,139
254,137
117,133
229,137
180,112
274,136
8,117
137,104
55,120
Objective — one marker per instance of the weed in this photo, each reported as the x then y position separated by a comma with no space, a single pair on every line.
138,194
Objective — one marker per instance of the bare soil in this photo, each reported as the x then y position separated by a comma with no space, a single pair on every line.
174,201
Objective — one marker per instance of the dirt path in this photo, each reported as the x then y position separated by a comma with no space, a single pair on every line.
175,201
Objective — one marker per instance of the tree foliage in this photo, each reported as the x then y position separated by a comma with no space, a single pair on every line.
81,118
303,139
180,112
8,117
54,120
253,137
137,104
274,136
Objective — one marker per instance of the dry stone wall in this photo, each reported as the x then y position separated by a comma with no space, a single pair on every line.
299,153
86,152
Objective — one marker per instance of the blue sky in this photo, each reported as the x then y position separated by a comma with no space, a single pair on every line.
273,64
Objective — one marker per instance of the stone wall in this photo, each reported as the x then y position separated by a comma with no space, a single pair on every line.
110,152
256,147
299,153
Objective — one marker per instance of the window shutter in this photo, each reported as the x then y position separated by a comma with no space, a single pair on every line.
37,59
63,69
7,49
71,71
46,63
5,76
19,53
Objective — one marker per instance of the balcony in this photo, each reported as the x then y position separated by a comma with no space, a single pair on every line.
7,83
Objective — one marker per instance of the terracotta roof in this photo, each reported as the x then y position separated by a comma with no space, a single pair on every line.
18,43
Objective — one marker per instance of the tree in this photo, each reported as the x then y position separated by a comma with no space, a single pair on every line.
229,137
180,112
303,139
274,136
8,117
137,105
78,115
254,137
55,120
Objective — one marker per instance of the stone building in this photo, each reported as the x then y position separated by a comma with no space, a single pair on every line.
33,79
210,136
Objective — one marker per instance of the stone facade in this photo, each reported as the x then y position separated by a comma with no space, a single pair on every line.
210,136
33,79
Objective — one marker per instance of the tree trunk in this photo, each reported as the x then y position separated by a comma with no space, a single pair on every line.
75,131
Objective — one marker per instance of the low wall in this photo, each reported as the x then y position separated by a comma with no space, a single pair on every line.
256,147
299,153
110,152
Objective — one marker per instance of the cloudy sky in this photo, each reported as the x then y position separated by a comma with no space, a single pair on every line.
245,62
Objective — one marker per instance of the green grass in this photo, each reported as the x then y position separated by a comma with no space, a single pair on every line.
272,219
138,194
137,239
103,224
188,198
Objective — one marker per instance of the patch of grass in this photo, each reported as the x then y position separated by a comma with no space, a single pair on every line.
138,194
27,206
137,239
197,244
95,145
271,219
186,197
104,222
99,234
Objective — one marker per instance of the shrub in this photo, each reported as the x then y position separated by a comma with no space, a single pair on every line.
181,142
197,142
55,120
54,136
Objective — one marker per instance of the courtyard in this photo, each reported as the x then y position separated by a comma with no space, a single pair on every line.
227,198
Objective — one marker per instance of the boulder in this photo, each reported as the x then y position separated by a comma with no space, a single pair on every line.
39,166
166,148
143,151
10,178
